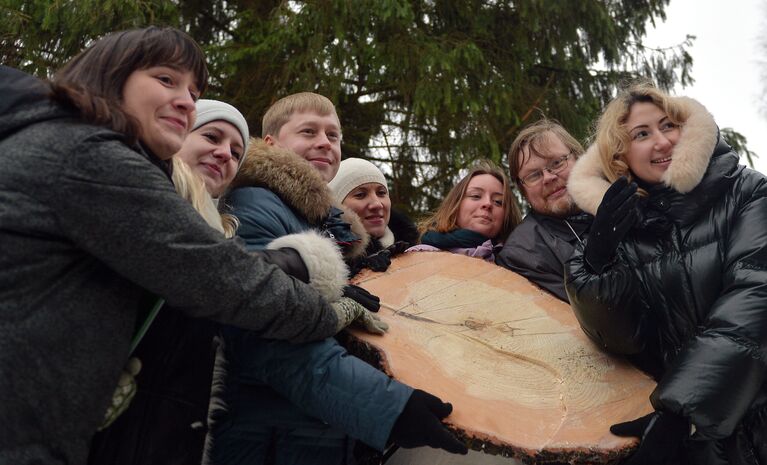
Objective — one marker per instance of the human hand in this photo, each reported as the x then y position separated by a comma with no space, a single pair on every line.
615,216
371,323
661,434
363,297
398,248
123,394
348,311
420,424
379,261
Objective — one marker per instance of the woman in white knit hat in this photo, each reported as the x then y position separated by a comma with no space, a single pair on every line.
361,187
216,146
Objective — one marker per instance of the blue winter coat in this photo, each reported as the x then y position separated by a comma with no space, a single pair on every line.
275,402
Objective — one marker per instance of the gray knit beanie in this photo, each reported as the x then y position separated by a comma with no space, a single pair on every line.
214,110
353,173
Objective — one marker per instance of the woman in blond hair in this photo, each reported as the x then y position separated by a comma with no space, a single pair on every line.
675,268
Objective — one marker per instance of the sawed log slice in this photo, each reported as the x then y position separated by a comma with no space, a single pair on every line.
523,379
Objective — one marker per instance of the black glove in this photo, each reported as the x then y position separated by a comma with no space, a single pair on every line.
378,261
662,435
616,215
363,297
419,424
398,248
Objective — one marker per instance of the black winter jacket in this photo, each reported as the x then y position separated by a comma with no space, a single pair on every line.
689,285
539,247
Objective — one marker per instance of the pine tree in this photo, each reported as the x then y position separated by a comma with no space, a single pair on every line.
423,87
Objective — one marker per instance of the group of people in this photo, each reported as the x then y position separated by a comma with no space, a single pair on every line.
122,191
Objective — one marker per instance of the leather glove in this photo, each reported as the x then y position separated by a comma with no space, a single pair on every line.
615,216
124,393
419,424
348,311
381,260
662,435
363,297
378,261
398,248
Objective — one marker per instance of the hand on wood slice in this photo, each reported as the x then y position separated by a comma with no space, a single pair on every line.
662,435
363,297
420,424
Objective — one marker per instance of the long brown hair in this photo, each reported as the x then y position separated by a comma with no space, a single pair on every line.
92,82
445,218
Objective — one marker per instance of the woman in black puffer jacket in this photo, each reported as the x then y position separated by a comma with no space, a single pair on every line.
676,268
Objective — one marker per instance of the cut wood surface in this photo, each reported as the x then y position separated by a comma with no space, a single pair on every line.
522,377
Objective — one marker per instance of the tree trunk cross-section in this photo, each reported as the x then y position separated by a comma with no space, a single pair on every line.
523,379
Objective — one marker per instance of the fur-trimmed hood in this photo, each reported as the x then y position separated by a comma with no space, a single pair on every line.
587,183
297,184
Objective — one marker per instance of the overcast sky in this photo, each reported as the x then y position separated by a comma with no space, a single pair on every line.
728,61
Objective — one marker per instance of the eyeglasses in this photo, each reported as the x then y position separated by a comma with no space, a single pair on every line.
556,166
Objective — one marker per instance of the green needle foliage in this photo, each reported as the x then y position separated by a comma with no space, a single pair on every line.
423,87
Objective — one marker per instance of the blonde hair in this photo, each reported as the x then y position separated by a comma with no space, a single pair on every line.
612,138
445,218
535,138
281,111
192,188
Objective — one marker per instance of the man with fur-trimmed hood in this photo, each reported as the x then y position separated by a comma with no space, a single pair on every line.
305,403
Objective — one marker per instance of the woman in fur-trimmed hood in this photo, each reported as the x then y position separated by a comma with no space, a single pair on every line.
676,267
299,403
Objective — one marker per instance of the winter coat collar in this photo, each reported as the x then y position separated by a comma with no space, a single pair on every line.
387,239
685,208
297,184
460,238
699,136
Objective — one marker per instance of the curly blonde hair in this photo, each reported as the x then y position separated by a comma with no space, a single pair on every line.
445,218
612,138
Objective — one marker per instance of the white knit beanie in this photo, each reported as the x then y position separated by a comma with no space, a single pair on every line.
352,173
214,110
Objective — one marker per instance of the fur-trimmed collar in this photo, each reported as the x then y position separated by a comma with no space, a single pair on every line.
387,239
692,153
297,184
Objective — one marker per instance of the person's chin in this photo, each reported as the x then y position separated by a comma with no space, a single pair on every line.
324,170
485,230
165,149
564,206
375,231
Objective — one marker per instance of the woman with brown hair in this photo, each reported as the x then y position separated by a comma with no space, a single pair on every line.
92,229
674,269
476,216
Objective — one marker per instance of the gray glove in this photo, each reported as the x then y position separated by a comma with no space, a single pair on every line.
350,312
124,392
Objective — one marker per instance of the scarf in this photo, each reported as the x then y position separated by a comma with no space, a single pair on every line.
460,238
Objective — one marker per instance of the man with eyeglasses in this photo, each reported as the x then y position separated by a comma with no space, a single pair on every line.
540,160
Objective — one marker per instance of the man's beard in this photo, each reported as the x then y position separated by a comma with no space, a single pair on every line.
563,207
